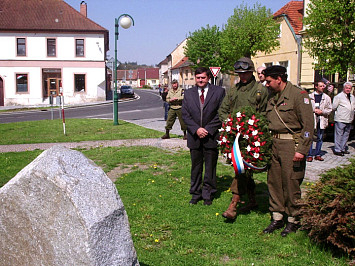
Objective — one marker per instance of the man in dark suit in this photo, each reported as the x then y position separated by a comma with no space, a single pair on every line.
200,114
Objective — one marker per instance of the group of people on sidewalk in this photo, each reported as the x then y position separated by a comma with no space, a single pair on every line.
343,105
289,111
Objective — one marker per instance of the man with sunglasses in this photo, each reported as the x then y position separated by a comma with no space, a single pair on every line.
247,92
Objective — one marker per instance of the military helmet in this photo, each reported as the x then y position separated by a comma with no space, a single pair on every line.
244,64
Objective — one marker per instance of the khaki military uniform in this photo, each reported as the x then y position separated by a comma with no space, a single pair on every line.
285,176
175,108
244,95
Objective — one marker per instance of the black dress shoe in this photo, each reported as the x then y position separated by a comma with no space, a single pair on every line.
194,201
274,225
290,227
345,152
207,202
338,153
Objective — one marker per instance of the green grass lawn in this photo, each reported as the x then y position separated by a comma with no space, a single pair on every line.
154,184
166,230
45,131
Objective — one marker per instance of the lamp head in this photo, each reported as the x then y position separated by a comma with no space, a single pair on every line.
125,22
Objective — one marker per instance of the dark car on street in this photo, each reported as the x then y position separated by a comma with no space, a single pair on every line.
127,91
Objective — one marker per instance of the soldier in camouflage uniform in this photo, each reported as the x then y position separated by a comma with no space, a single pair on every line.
248,92
291,122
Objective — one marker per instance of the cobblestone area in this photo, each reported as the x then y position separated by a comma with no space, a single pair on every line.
315,168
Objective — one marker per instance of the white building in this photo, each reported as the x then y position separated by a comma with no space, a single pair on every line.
49,48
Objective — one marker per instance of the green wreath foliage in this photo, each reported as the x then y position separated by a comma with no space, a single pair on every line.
255,140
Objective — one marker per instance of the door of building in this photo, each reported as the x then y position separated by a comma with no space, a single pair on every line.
2,96
53,86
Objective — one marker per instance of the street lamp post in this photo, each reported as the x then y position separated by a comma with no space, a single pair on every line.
125,21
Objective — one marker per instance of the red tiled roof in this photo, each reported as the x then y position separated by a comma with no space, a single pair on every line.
294,12
149,73
182,63
44,15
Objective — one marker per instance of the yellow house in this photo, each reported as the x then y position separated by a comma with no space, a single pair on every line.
288,54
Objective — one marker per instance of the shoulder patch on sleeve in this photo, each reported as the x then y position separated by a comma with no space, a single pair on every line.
303,91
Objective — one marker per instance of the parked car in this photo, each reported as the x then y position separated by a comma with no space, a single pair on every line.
127,91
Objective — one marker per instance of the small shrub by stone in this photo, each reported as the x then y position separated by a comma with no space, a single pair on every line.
329,210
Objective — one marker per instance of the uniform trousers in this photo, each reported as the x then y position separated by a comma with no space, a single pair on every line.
208,187
243,183
284,178
172,114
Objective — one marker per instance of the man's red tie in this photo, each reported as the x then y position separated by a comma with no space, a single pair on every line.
202,97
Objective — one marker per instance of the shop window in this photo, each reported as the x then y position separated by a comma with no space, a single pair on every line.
79,80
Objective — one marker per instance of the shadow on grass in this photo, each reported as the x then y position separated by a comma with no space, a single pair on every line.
262,196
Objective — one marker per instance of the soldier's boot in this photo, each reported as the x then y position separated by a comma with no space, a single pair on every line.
231,212
252,204
166,136
185,136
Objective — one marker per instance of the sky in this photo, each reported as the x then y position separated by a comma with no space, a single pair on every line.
160,25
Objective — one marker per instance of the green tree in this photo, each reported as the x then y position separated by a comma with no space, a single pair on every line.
203,47
248,31
330,35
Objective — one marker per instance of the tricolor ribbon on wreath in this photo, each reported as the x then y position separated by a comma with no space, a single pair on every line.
237,159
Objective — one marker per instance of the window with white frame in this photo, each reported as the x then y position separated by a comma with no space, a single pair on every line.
268,64
79,47
51,47
21,46
285,65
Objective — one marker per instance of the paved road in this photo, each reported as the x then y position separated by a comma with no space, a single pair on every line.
147,104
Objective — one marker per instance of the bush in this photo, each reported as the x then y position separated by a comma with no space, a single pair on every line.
329,209
146,87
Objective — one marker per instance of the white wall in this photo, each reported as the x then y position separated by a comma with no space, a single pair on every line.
92,65
36,46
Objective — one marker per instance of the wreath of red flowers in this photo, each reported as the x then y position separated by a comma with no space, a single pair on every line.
254,141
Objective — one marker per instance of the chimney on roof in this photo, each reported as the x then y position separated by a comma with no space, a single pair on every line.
83,8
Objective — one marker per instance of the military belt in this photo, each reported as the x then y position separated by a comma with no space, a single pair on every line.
282,135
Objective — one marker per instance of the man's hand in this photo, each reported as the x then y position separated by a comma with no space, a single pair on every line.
201,132
318,111
298,157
